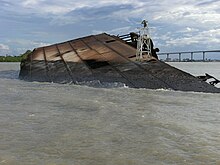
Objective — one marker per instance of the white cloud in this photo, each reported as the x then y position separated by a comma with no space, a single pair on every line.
189,29
116,31
66,20
28,3
39,44
4,47
58,7
167,11
190,14
176,23
25,42
210,37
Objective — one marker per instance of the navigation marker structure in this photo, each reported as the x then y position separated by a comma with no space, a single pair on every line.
143,41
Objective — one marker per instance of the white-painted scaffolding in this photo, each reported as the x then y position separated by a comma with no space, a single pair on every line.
143,41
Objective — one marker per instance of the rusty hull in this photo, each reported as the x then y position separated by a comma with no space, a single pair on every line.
107,59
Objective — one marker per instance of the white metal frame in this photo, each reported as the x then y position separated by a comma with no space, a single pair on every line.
143,41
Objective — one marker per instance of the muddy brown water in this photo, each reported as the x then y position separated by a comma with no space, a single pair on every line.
63,124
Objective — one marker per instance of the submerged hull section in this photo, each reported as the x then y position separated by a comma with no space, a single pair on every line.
106,59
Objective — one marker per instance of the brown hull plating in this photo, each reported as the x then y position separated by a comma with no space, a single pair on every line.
107,59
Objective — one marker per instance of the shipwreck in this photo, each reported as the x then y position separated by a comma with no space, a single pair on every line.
129,59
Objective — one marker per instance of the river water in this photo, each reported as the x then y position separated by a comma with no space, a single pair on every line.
62,124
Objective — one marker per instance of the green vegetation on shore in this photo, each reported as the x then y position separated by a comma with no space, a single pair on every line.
15,58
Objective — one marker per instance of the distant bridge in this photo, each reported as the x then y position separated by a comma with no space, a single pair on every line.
192,53
129,38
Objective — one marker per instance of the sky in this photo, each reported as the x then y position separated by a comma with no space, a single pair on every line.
180,25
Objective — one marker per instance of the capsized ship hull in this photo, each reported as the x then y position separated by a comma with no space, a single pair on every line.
106,59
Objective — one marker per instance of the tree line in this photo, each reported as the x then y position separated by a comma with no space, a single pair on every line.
15,58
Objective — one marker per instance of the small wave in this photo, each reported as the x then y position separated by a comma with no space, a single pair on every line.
99,84
163,89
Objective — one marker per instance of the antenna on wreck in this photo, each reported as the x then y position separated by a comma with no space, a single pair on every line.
143,41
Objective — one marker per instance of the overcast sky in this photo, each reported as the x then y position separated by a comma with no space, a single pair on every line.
176,25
